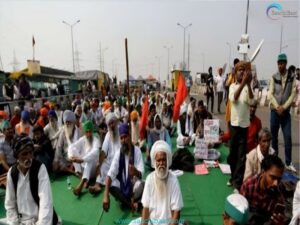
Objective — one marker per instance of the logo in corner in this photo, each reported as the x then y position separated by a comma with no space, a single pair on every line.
273,11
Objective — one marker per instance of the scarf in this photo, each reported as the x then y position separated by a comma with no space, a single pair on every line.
125,182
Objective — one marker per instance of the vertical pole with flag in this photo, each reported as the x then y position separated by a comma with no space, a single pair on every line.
181,94
33,44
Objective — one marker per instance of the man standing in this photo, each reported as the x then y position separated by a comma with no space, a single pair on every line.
240,96
84,154
210,89
162,199
220,88
282,93
28,198
123,177
266,202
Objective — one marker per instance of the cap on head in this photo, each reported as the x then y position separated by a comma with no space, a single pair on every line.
282,57
52,113
20,143
161,146
69,116
25,115
123,129
237,207
88,125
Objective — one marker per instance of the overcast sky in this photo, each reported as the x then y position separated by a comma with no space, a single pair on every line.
149,25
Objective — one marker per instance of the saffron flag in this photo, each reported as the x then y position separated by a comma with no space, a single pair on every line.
181,94
144,119
33,41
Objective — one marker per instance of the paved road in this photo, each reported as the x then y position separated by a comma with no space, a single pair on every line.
264,114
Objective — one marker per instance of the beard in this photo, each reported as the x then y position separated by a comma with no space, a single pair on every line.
124,149
114,134
89,142
53,124
25,164
161,182
69,131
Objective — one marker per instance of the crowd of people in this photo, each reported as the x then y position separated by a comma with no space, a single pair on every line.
100,140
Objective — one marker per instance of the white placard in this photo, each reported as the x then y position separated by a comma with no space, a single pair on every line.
200,150
211,130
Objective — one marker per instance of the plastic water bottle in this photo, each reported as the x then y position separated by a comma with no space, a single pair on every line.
69,183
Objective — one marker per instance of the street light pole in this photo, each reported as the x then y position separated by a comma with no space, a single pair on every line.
184,29
229,60
203,56
168,66
71,26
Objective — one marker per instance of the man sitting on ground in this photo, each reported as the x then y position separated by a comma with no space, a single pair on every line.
123,177
28,198
69,135
236,210
255,157
84,154
162,199
266,202
110,146
43,150
157,133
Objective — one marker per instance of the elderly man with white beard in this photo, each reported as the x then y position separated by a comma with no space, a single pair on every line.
123,179
69,135
162,199
111,145
52,129
84,154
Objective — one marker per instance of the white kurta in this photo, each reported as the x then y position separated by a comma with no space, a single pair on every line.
89,155
158,211
114,168
109,148
25,204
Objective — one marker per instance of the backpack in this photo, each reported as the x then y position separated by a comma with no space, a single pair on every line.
183,159
33,179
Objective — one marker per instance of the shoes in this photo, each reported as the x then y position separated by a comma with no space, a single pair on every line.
291,167
229,184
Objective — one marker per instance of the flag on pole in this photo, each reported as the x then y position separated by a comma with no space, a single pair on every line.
33,41
181,94
144,119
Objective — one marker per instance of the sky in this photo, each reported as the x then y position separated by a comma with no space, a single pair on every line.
148,25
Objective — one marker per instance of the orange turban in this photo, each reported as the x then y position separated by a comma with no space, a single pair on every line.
134,115
106,105
44,112
3,114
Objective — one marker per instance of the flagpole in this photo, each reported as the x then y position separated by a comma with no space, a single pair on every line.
33,44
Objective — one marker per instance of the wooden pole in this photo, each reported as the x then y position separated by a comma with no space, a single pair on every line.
128,88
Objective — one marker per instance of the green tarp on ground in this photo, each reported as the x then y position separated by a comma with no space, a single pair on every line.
203,197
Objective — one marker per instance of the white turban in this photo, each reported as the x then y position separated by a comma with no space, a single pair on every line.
161,146
69,116
237,207
109,117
